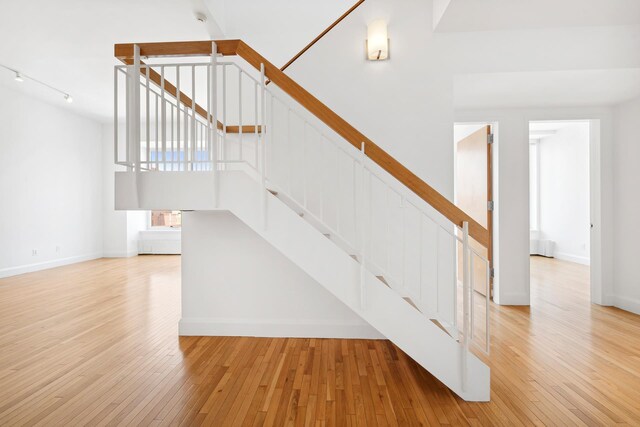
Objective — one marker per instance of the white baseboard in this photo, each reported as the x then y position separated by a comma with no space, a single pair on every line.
513,299
120,254
281,328
30,268
572,258
626,303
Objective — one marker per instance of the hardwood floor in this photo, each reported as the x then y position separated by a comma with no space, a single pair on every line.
96,344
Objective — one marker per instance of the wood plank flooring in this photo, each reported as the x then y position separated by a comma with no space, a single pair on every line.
96,344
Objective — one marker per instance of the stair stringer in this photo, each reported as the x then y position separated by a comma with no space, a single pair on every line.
384,309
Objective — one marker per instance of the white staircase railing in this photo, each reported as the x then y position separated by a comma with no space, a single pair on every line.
248,125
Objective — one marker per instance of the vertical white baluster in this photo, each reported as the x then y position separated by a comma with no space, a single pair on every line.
173,139
420,258
136,107
354,197
363,226
157,139
240,114
263,160
213,93
487,312
178,116
223,149
465,304
321,158
338,192
194,135
115,115
185,115
163,110
255,129
471,288
289,156
403,243
147,118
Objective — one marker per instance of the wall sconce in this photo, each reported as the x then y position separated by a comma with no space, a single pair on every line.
377,41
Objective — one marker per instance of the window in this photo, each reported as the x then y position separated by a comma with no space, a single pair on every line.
171,219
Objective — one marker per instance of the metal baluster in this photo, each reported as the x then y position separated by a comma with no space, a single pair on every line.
136,106
185,115
115,115
487,313
263,166
148,117
163,110
194,135
173,145
178,116
240,114
255,130
213,93
465,304
363,227
223,149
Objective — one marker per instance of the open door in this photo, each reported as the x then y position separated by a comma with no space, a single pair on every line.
474,193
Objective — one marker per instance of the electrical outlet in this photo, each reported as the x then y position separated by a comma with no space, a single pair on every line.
57,248
34,252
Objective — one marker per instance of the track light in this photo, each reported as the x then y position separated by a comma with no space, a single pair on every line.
19,77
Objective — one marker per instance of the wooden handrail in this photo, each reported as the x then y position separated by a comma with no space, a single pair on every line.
322,112
321,35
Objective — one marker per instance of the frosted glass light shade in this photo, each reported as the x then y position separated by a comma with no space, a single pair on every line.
377,41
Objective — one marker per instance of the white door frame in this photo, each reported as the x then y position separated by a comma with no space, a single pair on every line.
595,179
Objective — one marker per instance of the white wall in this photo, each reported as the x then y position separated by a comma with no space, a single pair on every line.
626,155
236,283
564,191
406,105
50,185
511,187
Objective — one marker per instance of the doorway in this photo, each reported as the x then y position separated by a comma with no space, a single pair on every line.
559,204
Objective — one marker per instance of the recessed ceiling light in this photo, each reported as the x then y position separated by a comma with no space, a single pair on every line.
68,98
18,77
201,17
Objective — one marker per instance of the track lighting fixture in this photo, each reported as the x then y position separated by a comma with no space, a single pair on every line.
19,77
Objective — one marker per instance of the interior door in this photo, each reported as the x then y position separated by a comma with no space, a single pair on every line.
473,193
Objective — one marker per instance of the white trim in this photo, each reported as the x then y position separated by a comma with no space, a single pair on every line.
513,299
277,328
625,303
30,268
572,258
120,254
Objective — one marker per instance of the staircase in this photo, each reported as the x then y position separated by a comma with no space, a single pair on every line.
212,135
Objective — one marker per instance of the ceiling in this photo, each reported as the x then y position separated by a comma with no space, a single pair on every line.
496,15
69,43
546,88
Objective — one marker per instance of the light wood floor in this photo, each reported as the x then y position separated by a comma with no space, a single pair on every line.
96,343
